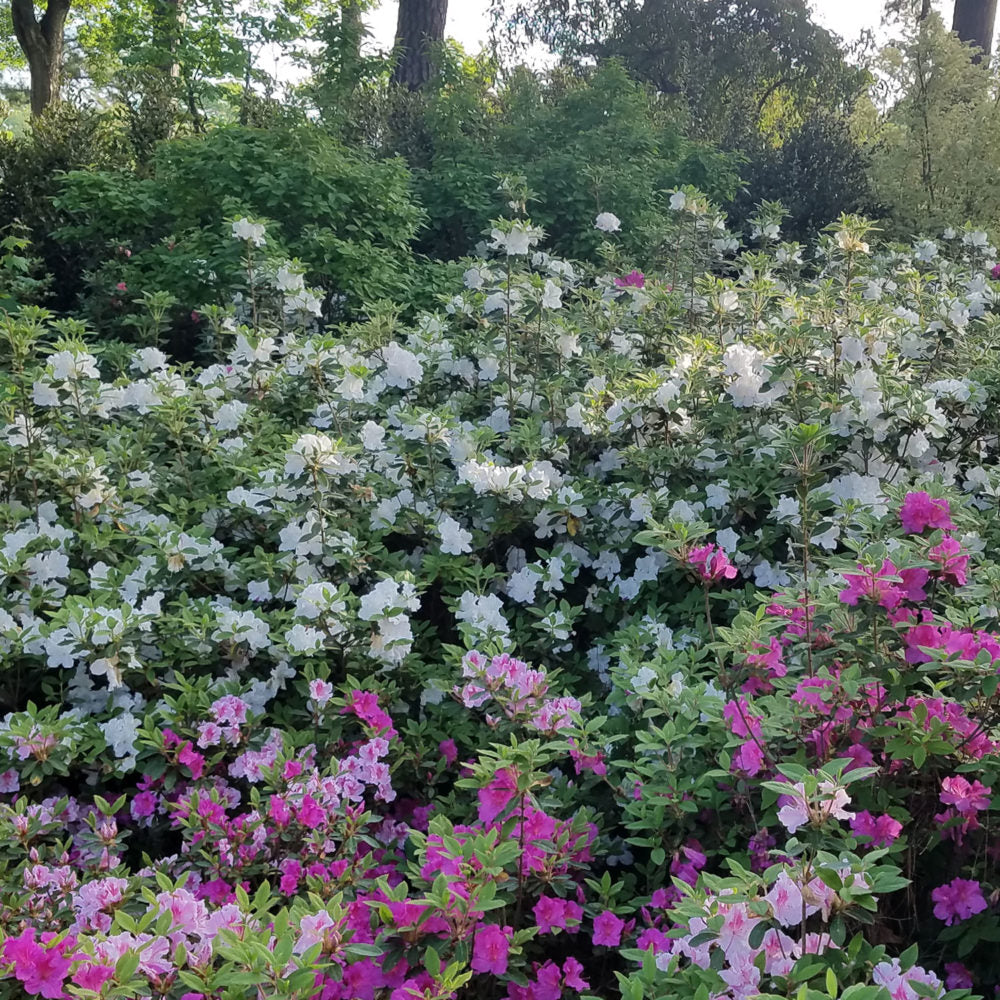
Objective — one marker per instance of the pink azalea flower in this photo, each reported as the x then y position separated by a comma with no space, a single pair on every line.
797,809
320,692
741,719
959,899
873,586
920,511
712,565
968,798
587,762
785,898
954,565
882,830
364,704
496,796
957,976
548,985
449,751
92,976
310,814
492,945
191,760
634,279
913,584
553,914
229,710
608,929
40,970
749,759
572,975
767,663
313,930
899,983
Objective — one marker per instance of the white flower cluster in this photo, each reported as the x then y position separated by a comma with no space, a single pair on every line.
355,496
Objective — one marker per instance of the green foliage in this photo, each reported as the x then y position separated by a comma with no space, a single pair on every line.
583,143
725,60
349,217
65,138
937,154
818,171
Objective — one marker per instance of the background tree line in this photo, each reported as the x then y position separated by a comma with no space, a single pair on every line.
142,124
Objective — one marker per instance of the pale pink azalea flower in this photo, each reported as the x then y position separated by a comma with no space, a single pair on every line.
785,898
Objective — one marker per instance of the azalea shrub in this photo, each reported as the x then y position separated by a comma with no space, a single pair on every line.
602,633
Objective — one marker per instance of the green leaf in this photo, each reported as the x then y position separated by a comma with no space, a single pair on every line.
831,984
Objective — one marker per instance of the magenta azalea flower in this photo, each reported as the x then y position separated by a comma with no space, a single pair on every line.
41,970
711,564
608,929
873,586
920,511
553,914
882,830
494,798
634,279
489,953
960,899
967,798
957,976
954,565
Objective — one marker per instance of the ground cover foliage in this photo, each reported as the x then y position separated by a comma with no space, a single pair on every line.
601,632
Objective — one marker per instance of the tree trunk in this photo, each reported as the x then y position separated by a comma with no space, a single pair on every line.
352,34
974,22
168,24
41,42
420,24
351,17
161,81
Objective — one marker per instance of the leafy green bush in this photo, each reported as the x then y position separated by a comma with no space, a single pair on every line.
347,216
819,171
583,143
65,138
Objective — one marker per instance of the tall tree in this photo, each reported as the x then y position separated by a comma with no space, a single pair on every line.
974,22
731,61
41,41
420,24
905,10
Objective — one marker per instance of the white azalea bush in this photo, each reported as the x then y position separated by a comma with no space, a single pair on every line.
617,633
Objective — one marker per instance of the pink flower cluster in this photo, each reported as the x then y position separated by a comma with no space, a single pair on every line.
749,758
518,690
364,704
549,981
881,831
228,714
965,800
920,512
40,966
889,586
766,664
